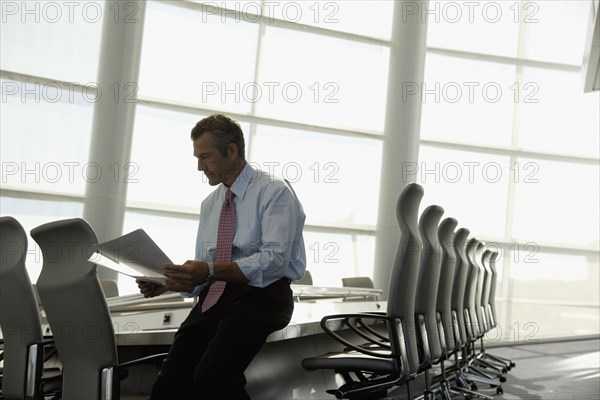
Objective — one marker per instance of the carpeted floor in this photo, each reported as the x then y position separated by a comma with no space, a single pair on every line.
567,370
552,371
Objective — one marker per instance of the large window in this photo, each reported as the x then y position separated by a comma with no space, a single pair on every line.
48,66
509,142
528,140
308,85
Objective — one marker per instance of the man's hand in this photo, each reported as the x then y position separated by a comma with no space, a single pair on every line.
149,289
183,278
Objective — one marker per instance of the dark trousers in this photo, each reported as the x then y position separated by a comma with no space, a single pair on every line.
211,350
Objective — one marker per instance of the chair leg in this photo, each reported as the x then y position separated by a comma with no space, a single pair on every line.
510,364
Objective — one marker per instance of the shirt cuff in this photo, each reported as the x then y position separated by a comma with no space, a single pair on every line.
197,290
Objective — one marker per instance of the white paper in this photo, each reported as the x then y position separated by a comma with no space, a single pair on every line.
134,254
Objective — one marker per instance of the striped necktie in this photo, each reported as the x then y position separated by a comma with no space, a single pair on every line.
224,246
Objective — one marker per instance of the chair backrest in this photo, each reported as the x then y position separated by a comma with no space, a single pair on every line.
471,289
429,276
448,265
358,281
492,263
478,261
305,280
75,305
405,271
19,313
487,284
460,280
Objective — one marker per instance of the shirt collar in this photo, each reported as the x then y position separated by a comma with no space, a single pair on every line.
242,181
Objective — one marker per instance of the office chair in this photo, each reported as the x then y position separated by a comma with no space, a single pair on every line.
469,368
459,326
447,326
444,296
458,289
429,275
488,304
481,276
470,310
360,282
383,366
483,286
24,345
77,312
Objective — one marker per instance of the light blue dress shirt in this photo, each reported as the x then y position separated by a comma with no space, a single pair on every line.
268,243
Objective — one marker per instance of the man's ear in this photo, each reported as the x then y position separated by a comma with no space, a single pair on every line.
232,150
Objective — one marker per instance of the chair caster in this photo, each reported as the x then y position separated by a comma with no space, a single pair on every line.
499,390
512,364
502,379
473,387
428,395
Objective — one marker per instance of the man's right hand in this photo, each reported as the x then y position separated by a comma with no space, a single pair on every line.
149,289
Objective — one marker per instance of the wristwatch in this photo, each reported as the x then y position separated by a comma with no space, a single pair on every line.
212,275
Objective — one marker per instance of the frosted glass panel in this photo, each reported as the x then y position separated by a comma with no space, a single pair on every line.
557,32
557,203
326,172
471,187
175,236
488,27
53,39
555,291
559,117
368,18
45,140
166,172
197,58
322,80
332,256
466,101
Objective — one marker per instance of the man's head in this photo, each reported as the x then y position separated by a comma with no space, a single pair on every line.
219,147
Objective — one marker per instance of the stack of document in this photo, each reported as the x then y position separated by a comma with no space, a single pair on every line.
134,254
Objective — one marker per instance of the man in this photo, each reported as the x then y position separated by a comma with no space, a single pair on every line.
249,241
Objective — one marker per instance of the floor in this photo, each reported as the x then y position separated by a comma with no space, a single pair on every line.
567,370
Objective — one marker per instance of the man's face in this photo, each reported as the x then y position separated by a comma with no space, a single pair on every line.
210,161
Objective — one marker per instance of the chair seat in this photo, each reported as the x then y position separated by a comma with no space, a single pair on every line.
350,361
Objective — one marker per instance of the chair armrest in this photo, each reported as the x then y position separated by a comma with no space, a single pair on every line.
358,326
348,344
378,335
